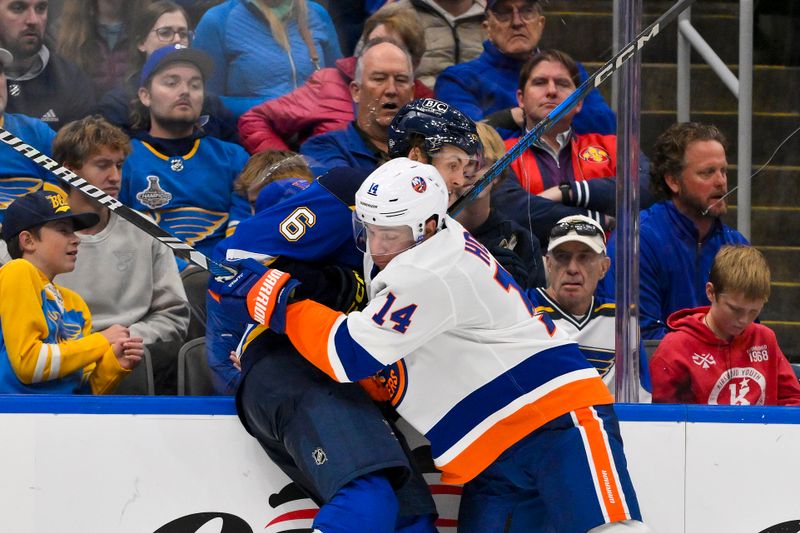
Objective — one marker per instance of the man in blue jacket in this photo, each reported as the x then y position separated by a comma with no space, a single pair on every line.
383,83
679,236
488,84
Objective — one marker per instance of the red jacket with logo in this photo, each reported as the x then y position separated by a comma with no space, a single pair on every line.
593,156
692,365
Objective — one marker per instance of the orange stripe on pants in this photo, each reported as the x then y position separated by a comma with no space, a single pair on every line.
600,461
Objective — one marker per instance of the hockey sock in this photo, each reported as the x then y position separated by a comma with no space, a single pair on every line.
367,503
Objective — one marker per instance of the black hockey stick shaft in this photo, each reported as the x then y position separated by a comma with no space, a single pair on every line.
601,75
139,220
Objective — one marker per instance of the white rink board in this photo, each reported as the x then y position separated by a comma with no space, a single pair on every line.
134,465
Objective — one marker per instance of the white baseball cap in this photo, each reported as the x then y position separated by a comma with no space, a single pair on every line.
578,228
6,58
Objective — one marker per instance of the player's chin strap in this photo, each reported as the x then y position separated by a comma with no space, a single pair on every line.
181,248
601,75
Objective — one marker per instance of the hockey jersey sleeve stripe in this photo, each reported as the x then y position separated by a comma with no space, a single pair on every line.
600,459
535,375
491,442
55,361
321,335
41,363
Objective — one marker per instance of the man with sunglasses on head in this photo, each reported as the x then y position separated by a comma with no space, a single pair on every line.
41,84
575,262
488,84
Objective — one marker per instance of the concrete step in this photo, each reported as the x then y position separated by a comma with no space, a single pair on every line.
788,334
774,186
770,226
784,262
769,130
775,88
780,315
593,21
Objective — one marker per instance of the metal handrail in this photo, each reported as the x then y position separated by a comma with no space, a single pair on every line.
742,89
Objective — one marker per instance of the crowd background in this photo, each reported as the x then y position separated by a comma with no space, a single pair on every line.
325,79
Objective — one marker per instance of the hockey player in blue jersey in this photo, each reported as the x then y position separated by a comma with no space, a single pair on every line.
291,407
175,173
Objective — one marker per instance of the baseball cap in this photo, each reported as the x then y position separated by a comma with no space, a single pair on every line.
173,53
6,58
491,3
38,208
578,228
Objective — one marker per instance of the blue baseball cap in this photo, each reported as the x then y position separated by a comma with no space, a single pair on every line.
39,208
172,54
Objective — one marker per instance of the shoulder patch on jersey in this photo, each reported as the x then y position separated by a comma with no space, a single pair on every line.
594,154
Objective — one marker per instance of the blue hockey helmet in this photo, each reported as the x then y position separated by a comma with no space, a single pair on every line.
439,123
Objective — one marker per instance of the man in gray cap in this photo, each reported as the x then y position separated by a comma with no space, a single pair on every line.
576,261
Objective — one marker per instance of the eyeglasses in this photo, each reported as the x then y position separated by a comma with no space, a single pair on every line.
166,34
581,228
527,13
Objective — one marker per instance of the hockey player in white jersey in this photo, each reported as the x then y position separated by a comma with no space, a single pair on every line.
510,405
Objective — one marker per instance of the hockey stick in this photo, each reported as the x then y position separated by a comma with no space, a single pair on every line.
601,75
181,248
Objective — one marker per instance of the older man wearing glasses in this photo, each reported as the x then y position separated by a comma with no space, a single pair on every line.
575,262
488,84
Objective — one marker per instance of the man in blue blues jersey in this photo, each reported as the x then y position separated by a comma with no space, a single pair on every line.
175,173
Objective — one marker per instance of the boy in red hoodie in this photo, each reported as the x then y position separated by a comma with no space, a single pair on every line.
717,355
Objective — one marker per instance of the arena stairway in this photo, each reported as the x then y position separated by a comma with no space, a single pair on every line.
584,29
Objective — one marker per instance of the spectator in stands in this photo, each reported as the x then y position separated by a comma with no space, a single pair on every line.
679,236
324,102
263,49
453,33
488,84
514,246
383,83
161,23
41,83
576,261
175,172
271,176
18,174
717,355
47,340
95,35
125,276
576,169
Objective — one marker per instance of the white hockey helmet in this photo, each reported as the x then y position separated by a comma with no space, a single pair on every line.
403,192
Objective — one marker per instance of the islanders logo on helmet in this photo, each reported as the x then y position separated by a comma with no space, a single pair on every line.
418,184
594,154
